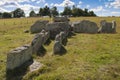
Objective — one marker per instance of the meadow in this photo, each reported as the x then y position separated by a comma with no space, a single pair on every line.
88,57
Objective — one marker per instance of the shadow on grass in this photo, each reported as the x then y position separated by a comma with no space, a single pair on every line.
61,52
19,72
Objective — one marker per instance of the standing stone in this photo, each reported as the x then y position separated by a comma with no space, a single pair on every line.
58,48
63,38
56,27
85,26
114,26
38,26
107,27
38,42
18,57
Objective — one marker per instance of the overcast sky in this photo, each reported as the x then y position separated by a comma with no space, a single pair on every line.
100,7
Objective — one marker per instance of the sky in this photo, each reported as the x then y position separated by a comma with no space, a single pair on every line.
100,7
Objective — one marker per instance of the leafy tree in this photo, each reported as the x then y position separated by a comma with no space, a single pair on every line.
54,11
67,11
32,14
91,13
6,15
86,12
0,15
41,11
44,11
18,13
76,12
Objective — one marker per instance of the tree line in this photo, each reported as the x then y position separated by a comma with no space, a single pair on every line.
51,12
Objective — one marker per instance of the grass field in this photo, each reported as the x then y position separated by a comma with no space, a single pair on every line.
89,56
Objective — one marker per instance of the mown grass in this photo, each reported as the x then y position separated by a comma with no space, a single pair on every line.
89,56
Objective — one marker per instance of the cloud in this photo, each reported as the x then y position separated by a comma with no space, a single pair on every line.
52,4
9,5
40,1
97,9
87,6
65,3
80,2
4,10
46,4
115,4
27,8
115,13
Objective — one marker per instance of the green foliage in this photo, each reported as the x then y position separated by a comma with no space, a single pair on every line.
67,11
18,13
76,12
44,11
6,15
54,11
32,14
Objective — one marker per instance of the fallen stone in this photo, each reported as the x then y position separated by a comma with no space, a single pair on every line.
35,66
56,27
85,26
38,26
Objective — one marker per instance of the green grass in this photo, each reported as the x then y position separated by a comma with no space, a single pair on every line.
89,56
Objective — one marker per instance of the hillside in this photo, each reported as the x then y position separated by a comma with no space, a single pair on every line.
89,56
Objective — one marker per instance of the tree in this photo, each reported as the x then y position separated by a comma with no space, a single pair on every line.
41,11
91,13
67,11
32,14
18,13
86,12
76,12
54,11
6,15
44,11
1,15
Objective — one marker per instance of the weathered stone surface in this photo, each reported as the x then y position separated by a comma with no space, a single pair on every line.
38,41
61,19
35,66
18,56
59,42
58,48
56,27
85,26
38,26
107,27
63,38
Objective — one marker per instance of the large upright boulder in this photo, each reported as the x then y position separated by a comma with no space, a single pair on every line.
38,42
58,46
60,19
107,27
18,57
85,26
56,27
38,26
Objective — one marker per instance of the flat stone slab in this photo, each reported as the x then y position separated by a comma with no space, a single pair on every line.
35,66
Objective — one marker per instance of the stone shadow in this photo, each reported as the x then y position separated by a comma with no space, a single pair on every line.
19,72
